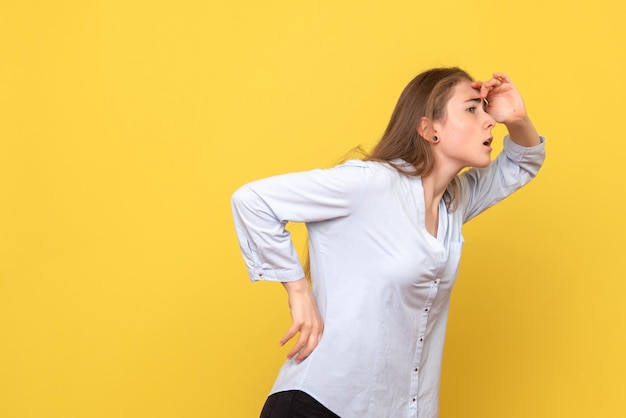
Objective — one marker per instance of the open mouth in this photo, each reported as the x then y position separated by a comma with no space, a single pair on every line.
488,142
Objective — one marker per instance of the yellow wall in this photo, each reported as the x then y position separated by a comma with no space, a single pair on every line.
126,125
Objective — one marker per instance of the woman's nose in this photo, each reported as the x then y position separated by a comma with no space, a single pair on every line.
490,122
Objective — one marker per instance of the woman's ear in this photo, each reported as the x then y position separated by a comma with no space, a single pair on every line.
426,129
423,127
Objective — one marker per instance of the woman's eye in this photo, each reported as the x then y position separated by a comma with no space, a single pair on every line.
471,109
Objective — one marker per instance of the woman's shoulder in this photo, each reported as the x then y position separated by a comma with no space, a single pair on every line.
379,175
382,166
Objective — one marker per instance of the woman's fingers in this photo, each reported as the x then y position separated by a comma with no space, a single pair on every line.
502,77
289,335
300,344
308,338
483,87
306,348
487,87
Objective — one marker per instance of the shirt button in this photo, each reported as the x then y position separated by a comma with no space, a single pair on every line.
416,369
414,399
426,309
421,338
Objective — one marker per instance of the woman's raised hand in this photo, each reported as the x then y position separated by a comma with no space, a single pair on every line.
505,105
504,102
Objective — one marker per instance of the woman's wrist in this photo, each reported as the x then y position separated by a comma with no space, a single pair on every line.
297,286
523,132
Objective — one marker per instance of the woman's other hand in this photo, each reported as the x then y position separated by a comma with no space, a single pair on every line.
306,320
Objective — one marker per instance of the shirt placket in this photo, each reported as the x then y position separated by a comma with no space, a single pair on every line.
421,336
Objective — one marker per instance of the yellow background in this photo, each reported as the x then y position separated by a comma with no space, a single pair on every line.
126,125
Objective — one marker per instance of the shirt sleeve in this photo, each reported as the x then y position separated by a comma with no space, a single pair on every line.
262,209
515,166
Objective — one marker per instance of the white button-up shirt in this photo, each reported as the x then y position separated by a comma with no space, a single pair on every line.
381,281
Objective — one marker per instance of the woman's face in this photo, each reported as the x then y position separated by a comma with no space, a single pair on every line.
465,131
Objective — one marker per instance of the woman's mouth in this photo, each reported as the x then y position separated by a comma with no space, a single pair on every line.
487,143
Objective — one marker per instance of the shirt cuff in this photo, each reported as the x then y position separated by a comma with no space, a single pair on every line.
272,275
520,153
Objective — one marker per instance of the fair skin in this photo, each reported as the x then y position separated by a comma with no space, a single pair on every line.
305,319
464,134
463,140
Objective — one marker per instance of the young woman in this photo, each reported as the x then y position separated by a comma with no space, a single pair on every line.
384,244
